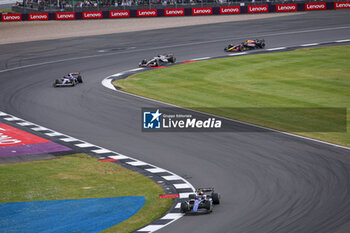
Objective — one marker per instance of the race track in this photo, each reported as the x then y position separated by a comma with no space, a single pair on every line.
269,182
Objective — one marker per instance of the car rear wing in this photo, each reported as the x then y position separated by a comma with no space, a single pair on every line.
205,190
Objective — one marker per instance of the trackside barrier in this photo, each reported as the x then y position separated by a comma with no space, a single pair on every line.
193,11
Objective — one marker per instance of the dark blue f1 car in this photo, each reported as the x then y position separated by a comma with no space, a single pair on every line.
201,201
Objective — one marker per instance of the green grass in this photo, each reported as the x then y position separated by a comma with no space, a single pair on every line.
6,10
305,78
80,176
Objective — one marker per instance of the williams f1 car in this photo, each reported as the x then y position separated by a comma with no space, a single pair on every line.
201,201
247,45
69,80
158,60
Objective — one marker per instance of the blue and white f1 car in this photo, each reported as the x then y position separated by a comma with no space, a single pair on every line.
201,201
69,80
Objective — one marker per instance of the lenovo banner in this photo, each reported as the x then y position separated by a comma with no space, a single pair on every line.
147,13
65,16
202,11
230,10
286,7
39,16
174,12
11,17
258,9
119,14
315,6
342,5
92,15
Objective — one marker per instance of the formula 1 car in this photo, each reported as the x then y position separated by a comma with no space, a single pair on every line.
201,201
69,80
247,45
158,60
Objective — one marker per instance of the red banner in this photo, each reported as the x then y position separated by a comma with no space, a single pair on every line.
11,17
286,7
202,11
315,6
119,14
65,15
147,13
174,12
39,16
258,9
92,15
341,5
230,10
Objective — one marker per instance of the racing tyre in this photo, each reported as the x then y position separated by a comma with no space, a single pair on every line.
56,82
241,48
172,59
192,196
209,206
216,198
80,79
184,207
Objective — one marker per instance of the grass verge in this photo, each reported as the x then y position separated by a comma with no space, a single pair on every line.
305,78
6,10
80,176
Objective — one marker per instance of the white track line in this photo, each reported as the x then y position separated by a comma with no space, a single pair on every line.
237,54
307,45
340,41
201,58
279,48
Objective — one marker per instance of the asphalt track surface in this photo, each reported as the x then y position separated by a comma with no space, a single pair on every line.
269,182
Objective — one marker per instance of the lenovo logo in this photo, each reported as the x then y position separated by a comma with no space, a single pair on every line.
38,16
11,17
230,10
202,11
286,7
146,13
315,6
174,12
92,15
258,9
342,5
65,16
119,14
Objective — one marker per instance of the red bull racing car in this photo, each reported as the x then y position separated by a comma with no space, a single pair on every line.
69,80
201,201
247,45
158,60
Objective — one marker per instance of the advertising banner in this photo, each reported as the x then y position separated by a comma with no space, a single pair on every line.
342,5
147,13
258,9
202,11
92,15
119,14
315,6
65,16
230,10
286,7
11,17
38,16
174,12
